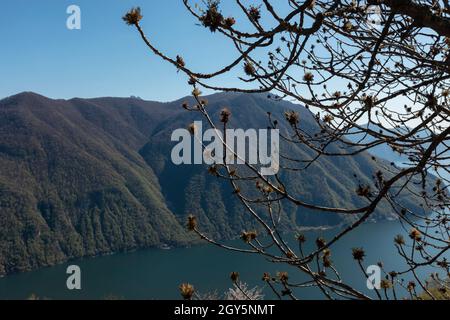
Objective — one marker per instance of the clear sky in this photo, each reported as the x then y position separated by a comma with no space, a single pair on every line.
106,57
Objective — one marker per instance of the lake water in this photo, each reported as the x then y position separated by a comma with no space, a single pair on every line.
156,273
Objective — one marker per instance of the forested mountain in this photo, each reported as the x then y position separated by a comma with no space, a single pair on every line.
84,177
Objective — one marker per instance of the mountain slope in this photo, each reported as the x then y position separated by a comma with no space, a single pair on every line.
189,189
72,183
84,177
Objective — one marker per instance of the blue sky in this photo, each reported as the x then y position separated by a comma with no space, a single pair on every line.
106,57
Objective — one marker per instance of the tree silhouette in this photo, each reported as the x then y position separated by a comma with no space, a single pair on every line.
384,63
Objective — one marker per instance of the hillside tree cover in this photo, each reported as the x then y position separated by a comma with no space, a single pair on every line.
357,65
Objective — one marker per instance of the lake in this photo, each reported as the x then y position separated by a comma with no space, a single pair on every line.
157,273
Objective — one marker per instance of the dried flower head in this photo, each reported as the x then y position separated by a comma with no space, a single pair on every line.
213,170
447,41
249,236
310,4
192,223
443,290
369,102
292,117
229,22
180,62
254,13
196,92
308,77
443,264
326,258
266,277
283,276
348,26
358,254
268,189
327,253
385,284
259,185
301,238
399,240
187,291
192,81
411,286
192,128
290,255
320,243
212,18
415,234
363,191
328,118
225,115
326,261
249,68
133,16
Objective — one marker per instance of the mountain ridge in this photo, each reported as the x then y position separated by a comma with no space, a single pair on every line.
84,177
